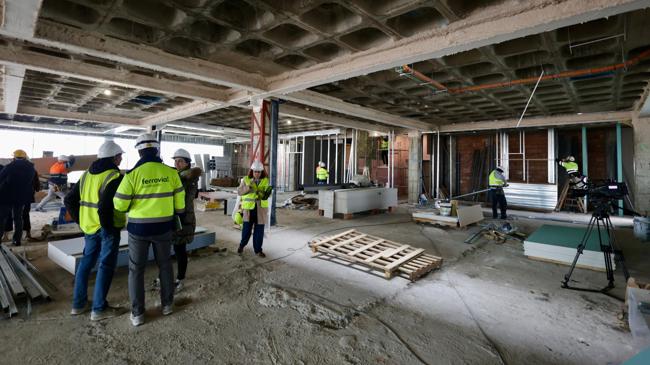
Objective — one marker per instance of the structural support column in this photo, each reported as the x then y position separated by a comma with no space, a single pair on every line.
273,173
619,162
415,166
585,160
642,164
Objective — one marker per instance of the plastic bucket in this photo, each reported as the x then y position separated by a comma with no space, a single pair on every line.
445,209
642,228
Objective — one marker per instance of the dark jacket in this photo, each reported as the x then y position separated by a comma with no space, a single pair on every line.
16,182
106,207
189,178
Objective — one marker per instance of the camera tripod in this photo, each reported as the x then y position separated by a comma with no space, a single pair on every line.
602,224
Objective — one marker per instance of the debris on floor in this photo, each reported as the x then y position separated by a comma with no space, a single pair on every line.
390,257
300,201
451,216
18,281
497,233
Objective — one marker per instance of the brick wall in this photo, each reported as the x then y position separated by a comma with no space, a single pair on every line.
466,146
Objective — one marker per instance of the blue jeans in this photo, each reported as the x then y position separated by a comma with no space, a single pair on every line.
258,235
104,246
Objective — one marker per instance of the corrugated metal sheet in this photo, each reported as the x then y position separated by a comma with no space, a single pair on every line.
540,196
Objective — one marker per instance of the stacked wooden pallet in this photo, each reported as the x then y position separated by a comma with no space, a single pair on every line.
17,280
390,257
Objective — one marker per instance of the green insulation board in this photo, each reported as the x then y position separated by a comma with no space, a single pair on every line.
566,237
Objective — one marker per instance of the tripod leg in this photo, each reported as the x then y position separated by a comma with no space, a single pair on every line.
618,253
581,247
606,249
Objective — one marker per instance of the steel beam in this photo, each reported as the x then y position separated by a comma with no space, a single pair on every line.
83,117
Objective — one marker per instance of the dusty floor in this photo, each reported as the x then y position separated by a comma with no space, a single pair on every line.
487,305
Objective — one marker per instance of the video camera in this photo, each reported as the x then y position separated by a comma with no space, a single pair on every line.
603,190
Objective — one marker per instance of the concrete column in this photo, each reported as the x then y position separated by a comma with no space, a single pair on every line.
291,168
415,165
642,164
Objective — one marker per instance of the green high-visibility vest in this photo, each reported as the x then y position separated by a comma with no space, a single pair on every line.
321,173
570,167
151,193
255,193
383,145
91,188
494,180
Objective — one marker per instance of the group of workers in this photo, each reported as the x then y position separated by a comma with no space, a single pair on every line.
158,200
497,181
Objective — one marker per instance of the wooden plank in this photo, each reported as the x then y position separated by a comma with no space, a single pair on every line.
404,259
375,257
365,247
393,252
343,243
10,275
325,240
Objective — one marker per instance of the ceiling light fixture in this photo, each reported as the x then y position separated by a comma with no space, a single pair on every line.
288,121
107,92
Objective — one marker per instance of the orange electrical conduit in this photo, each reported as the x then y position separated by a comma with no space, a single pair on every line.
530,80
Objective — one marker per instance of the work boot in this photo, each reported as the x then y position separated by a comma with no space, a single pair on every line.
167,310
137,320
261,254
78,311
178,286
240,250
16,243
108,312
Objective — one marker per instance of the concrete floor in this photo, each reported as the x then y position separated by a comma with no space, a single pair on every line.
487,305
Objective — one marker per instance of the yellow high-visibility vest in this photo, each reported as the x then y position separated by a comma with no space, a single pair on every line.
494,180
151,193
570,167
91,188
255,193
321,173
383,145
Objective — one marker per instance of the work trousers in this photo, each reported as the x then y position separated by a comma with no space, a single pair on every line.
138,255
15,211
181,258
321,182
51,195
384,156
498,198
102,246
257,230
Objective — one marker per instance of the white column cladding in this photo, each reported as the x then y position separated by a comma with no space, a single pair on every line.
551,156
414,166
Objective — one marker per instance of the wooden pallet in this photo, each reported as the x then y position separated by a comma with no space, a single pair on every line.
390,257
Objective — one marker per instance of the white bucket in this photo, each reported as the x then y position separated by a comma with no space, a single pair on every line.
642,228
445,209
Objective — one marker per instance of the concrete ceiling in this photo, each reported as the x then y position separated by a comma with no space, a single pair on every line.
232,49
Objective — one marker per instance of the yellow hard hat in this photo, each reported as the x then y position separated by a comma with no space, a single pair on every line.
20,154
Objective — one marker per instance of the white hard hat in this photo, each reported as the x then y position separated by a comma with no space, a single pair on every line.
146,140
321,164
109,149
182,153
571,158
63,158
257,166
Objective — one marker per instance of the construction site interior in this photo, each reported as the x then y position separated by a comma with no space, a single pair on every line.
421,114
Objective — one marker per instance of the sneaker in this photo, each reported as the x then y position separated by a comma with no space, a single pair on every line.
167,310
261,254
109,312
178,285
240,250
77,311
137,320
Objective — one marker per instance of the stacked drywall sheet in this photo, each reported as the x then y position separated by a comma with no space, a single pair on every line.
559,244
68,253
350,201
466,215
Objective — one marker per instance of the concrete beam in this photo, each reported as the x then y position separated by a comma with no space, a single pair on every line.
180,112
477,30
47,127
642,106
297,112
211,128
13,84
318,100
553,121
73,40
13,56
19,17
83,117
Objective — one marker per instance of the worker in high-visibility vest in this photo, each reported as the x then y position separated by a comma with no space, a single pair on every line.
254,191
57,183
321,173
570,165
497,181
383,147
153,196
90,203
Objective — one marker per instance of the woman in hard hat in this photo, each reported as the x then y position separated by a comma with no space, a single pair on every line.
190,179
254,190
